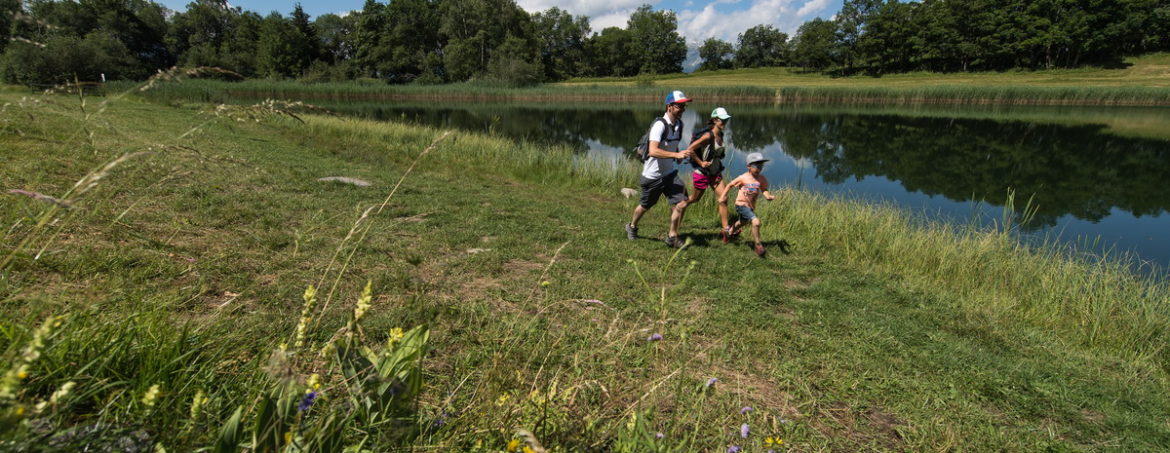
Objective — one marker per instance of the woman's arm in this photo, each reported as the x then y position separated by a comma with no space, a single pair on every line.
694,148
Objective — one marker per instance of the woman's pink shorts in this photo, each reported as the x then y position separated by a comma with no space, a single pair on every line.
702,182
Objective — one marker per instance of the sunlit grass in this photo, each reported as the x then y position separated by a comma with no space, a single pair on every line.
179,276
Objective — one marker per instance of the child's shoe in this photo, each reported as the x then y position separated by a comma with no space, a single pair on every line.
725,235
631,231
760,250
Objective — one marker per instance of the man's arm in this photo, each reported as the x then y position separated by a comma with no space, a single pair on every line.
656,150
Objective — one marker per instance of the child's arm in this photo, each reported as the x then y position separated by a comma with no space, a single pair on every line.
764,188
737,182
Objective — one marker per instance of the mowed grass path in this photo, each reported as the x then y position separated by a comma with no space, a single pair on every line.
219,231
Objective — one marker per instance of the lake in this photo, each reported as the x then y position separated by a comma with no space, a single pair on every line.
1098,179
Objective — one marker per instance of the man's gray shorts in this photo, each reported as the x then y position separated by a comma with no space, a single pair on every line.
670,185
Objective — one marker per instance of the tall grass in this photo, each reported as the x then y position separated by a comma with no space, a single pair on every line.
1092,302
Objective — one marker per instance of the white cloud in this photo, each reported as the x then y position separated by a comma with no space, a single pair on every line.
723,19
591,8
812,7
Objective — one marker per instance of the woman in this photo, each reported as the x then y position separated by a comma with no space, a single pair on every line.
707,153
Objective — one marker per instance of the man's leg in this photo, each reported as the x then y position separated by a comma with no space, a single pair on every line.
638,212
676,216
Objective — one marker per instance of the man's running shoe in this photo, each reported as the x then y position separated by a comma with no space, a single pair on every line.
631,231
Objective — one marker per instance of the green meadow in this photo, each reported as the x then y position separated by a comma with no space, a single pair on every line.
175,277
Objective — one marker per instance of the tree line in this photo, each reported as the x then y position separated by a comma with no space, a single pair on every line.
441,41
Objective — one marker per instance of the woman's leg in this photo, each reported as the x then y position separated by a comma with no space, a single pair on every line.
724,214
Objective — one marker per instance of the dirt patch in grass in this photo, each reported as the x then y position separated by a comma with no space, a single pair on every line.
868,428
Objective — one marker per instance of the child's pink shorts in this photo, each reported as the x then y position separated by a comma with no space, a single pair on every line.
702,182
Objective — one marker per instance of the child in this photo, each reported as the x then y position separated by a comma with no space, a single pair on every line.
750,185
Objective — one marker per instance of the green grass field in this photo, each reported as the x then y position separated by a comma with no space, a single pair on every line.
1151,70
158,299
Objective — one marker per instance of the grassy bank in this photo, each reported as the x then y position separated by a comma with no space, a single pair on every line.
169,287
1144,82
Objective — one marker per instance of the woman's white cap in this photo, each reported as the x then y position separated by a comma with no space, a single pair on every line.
720,113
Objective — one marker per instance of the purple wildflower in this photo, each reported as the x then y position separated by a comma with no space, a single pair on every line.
734,449
654,337
659,435
711,382
743,431
745,410
307,402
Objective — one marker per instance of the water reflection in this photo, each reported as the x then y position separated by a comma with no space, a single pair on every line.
1084,183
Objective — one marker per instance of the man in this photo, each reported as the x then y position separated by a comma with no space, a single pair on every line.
659,175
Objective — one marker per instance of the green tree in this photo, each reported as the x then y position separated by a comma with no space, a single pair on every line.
761,46
309,48
475,29
279,49
562,40
212,33
611,53
851,22
414,40
8,10
815,45
657,46
369,48
716,54
333,37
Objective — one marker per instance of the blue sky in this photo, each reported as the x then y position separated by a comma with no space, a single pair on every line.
698,20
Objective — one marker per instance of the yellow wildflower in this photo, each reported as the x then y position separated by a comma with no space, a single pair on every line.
363,303
545,283
528,449
774,441
151,396
503,399
197,403
314,383
513,444
396,335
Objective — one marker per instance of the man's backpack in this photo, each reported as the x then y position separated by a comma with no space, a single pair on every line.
642,149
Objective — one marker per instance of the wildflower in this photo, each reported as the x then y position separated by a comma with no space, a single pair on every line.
734,449
151,395
773,441
743,431
654,337
528,449
396,335
745,410
288,437
29,354
710,382
197,404
314,383
513,444
57,396
307,402
503,399
659,435
363,302
310,298
545,283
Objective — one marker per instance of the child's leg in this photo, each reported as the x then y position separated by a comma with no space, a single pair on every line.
756,230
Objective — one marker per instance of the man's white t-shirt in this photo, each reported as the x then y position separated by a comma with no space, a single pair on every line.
654,167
